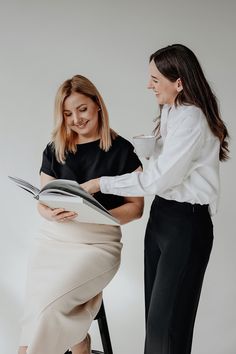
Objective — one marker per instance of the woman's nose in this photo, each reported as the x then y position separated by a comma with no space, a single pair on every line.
150,84
76,117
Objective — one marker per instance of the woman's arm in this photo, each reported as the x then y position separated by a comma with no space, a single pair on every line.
132,209
57,214
181,146
44,179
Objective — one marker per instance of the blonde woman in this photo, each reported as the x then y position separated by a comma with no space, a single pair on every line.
72,262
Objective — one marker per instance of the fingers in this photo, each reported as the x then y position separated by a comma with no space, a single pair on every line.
65,216
67,219
58,214
57,211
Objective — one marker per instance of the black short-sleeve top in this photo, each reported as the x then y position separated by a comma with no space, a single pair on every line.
90,162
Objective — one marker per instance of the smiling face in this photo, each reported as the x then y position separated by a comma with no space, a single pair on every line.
81,116
164,89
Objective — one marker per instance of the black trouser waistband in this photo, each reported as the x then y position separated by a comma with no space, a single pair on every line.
185,206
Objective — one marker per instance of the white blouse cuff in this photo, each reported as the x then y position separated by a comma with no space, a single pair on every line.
106,184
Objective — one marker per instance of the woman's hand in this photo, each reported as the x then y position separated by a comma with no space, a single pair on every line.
92,186
59,215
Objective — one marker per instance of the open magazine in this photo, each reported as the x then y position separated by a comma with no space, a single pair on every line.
67,194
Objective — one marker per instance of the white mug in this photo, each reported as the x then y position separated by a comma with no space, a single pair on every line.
144,145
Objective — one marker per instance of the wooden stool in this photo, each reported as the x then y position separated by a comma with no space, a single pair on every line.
104,333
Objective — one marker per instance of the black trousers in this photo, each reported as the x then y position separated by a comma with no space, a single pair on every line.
178,244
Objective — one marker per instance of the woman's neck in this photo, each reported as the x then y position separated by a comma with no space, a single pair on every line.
87,139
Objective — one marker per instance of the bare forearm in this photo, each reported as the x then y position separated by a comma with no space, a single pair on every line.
127,212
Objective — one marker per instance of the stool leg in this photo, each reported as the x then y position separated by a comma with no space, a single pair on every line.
104,332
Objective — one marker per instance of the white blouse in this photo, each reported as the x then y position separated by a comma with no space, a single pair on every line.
185,165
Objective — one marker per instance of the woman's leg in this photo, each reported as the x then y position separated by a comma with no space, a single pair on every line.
83,347
65,280
151,257
80,348
185,239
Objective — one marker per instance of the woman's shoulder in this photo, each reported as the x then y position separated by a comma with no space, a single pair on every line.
50,146
49,150
189,110
124,156
189,116
119,142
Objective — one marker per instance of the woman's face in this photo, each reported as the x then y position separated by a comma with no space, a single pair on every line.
81,116
164,89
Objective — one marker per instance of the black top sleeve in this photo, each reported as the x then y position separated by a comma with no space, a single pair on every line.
129,160
47,161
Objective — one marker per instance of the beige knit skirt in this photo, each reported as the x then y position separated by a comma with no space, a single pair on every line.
69,266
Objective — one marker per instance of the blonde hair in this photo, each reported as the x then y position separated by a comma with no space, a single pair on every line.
65,141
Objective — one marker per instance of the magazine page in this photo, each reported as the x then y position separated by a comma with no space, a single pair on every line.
68,187
25,185
86,211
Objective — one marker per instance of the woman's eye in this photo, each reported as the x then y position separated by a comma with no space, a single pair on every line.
83,109
67,114
156,81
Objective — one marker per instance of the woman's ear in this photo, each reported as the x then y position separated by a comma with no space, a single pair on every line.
179,86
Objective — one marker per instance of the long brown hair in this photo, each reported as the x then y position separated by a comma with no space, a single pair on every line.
177,61
66,142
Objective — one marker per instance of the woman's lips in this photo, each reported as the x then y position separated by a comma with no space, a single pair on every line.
81,125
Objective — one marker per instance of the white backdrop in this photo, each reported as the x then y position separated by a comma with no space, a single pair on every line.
45,42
